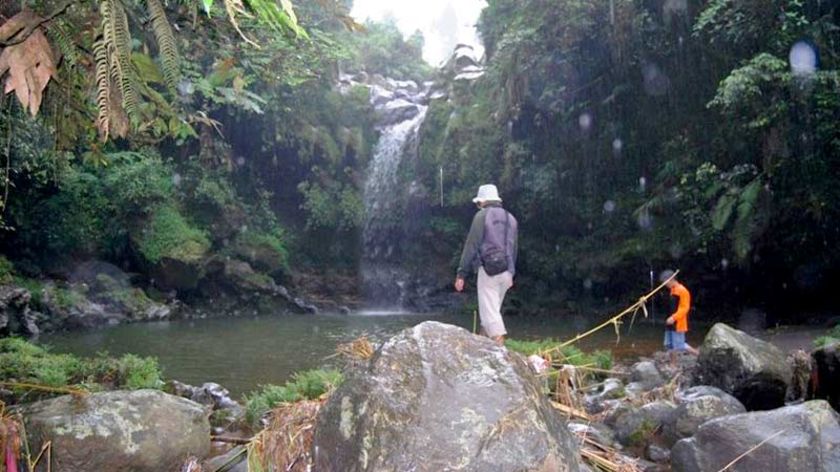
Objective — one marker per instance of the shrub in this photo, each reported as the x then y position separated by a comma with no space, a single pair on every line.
21,361
7,270
170,235
309,384
831,337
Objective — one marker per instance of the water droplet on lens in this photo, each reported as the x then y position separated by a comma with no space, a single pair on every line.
587,284
642,184
724,263
803,58
240,161
585,121
617,145
176,179
609,206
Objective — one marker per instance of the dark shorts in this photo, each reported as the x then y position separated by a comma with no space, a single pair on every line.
674,341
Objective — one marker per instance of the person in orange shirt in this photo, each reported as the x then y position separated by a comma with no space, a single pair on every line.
678,322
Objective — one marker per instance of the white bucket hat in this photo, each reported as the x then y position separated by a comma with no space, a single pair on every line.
487,193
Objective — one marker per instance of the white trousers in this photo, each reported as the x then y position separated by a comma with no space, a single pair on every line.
491,294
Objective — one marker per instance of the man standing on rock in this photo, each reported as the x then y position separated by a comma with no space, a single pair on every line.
491,248
677,323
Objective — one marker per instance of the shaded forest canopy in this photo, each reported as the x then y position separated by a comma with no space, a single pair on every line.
628,136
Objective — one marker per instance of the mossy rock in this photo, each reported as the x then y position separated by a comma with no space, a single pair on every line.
264,251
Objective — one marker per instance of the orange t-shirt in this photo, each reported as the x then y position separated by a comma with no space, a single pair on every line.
681,315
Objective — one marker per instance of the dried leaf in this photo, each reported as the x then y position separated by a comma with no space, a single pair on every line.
30,66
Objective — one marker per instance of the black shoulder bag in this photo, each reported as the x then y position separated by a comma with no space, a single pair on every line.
495,260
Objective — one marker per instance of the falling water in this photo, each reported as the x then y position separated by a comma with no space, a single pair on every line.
384,277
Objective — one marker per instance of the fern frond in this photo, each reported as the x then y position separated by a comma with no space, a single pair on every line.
117,38
57,31
103,89
166,43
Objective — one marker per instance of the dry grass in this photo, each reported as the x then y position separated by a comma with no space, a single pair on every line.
605,458
286,444
360,349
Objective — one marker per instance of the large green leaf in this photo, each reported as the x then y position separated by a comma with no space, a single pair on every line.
722,211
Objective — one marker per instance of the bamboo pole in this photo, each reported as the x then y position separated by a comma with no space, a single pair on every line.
640,304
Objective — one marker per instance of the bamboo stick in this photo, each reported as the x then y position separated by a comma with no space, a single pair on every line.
612,321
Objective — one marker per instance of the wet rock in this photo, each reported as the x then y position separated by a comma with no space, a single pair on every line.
658,454
16,316
805,437
68,307
638,427
234,460
754,371
396,111
826,376
435,397
646,374
801,367
226,411
698,405
177,274
143,430
597,432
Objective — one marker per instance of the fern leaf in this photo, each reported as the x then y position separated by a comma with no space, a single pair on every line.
117,40
166,43
57,31
103,89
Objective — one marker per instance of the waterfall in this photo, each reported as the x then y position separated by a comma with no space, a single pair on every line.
384,275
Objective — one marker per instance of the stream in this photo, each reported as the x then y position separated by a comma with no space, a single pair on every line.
243,353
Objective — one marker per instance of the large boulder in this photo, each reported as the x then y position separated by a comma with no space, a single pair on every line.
436,397
646,375
826,374
16,315
804,438
142,430
698,405
754,371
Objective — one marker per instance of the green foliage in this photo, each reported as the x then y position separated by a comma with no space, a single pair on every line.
336,206
265,250
381,49
567,354
24,362
310,384
831,337
7,270
169,235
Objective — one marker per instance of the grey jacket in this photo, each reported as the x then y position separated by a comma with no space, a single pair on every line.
488,230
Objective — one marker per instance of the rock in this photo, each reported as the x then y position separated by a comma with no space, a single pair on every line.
752,370
142,430
16,316
211,395
177,274
801,372
598,432
396,111
658,454
698,405
612,389
804,437
234,460
826,376
435,397
68,307
638,427
646,374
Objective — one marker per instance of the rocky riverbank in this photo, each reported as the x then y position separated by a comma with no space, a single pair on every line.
435,397
102,295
